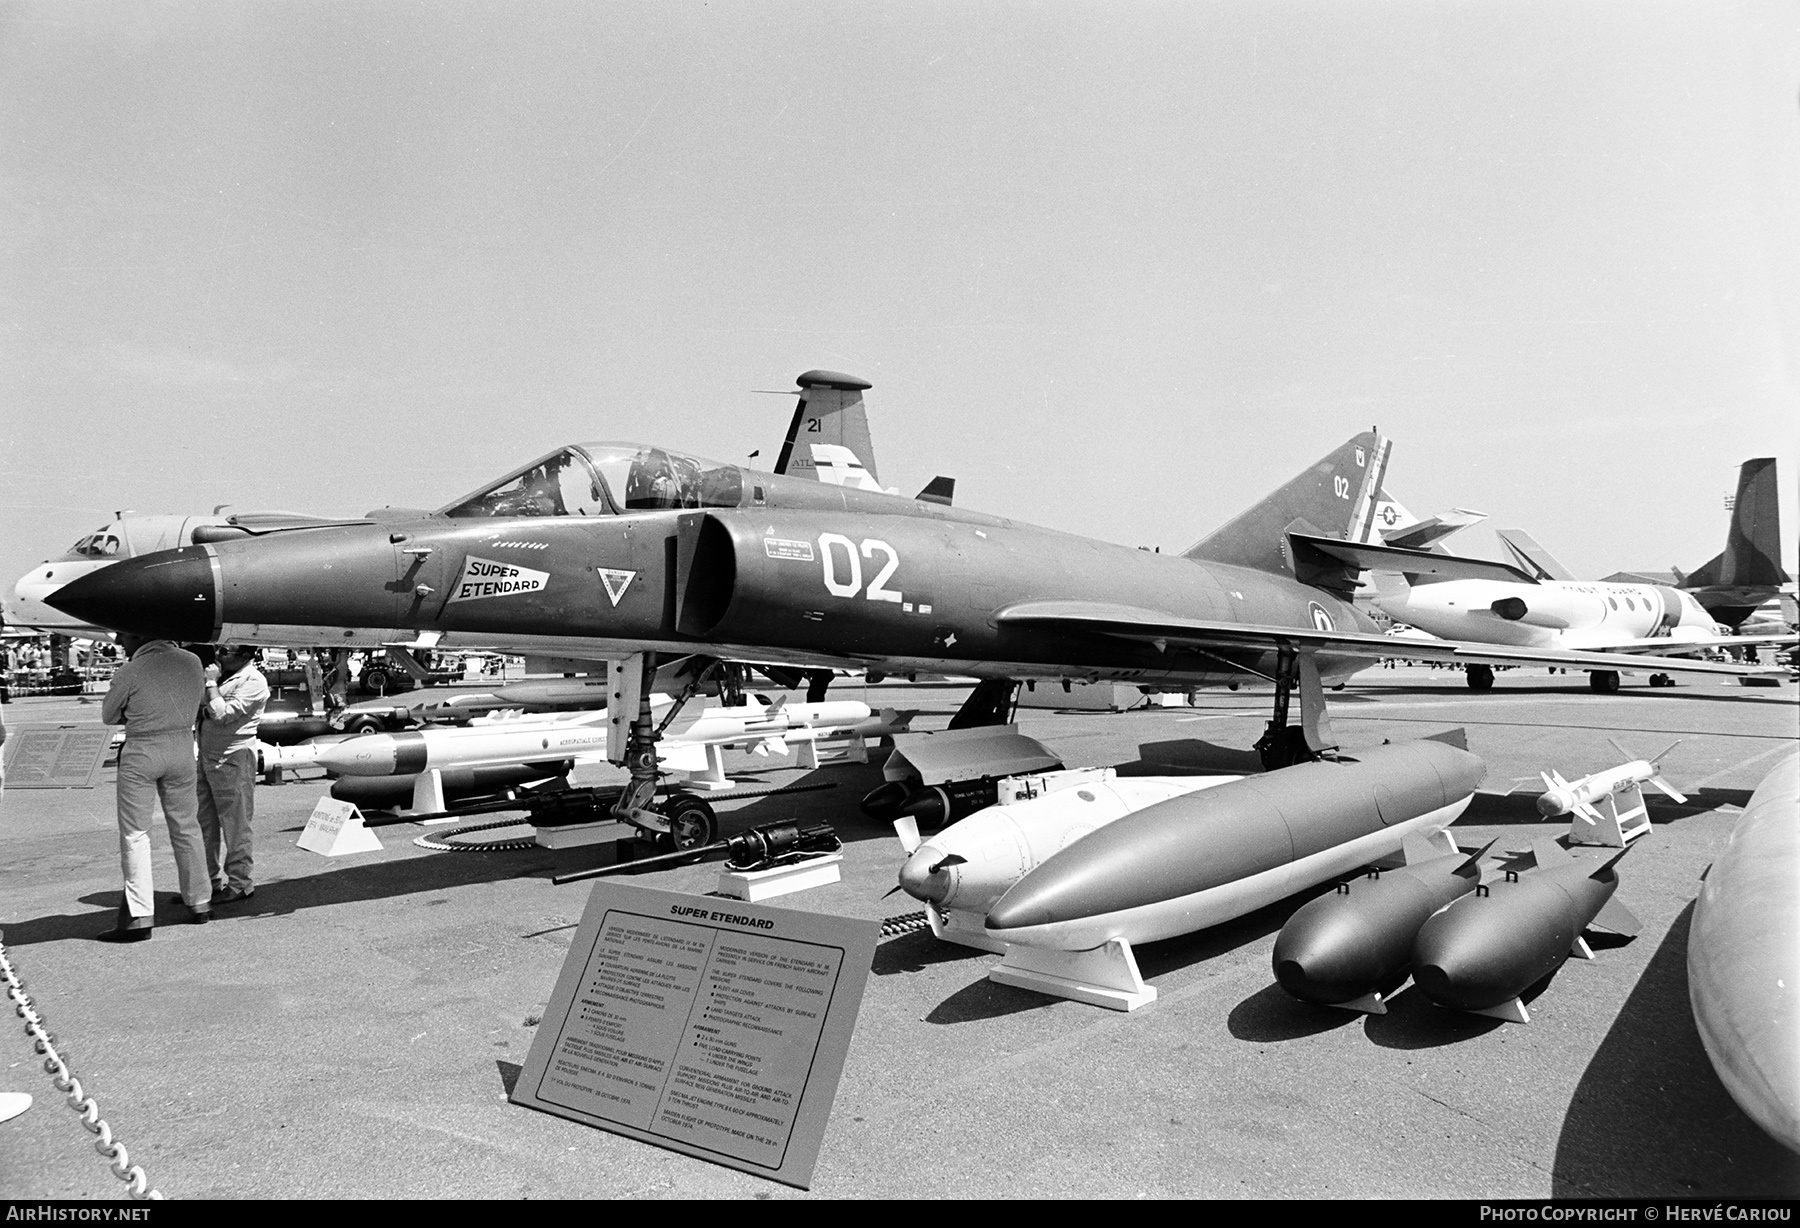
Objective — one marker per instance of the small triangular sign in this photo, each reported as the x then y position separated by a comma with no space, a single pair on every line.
616,582
336,828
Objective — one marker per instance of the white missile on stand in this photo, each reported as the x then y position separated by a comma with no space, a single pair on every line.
1606,808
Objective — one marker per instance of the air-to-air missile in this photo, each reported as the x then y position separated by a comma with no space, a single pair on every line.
1201,859
1491,945
1607,807
1352,947
959,873
1743,957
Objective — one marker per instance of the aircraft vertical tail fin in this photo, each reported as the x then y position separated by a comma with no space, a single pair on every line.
1532,557
1753,543
829,435
1335,498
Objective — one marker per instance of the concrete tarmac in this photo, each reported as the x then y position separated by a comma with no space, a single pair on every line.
352,1030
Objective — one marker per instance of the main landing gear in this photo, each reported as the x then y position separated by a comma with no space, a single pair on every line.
678,820
1283,745
1605,681
1481,677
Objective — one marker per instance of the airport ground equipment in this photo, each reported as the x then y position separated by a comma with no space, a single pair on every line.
1353,947
1743,957
760,848
1198,860
1488,947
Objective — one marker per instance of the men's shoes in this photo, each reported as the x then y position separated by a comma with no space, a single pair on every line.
231,895
200,916
130,929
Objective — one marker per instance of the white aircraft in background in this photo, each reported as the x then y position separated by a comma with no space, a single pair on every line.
1478,600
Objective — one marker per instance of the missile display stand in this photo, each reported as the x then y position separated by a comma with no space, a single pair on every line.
1105,976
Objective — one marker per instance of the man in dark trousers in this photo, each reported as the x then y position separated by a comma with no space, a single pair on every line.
155,695
236,694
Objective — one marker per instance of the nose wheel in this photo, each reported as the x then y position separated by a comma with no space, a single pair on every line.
691,823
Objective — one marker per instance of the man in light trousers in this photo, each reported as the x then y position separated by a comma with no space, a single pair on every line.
155,695
236,694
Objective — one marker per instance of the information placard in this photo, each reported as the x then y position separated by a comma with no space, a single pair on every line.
708,1026
53,757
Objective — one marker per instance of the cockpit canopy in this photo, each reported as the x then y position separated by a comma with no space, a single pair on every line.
604,479
100,544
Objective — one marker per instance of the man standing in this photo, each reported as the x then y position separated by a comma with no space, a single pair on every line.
236,693
155,695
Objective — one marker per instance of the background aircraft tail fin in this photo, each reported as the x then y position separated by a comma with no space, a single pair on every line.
939,490
830,414
1335,498
1753,543
1532,557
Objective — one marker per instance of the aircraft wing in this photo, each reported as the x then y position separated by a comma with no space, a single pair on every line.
1158,627
1668,647
1412,562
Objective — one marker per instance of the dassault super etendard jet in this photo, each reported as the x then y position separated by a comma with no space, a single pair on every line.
624,552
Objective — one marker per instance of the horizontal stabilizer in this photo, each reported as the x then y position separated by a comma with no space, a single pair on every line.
1413,562
1427,533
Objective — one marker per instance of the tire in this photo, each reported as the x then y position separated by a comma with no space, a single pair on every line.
691,823
1604,681
374,682
1481,677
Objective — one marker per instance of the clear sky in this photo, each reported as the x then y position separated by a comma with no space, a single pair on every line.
1119,268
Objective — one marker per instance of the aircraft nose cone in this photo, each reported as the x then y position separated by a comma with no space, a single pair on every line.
917,879
166,595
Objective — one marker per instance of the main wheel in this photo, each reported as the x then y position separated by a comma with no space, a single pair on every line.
1481,677
1605,681
691,823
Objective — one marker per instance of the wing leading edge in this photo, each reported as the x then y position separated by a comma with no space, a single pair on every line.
1158,627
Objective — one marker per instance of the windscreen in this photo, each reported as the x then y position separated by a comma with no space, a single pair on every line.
561,484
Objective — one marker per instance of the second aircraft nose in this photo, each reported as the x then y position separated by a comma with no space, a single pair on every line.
166,595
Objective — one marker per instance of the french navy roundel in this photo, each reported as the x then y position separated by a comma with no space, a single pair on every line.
1321,617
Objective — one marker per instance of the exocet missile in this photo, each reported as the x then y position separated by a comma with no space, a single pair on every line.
972,863
1351,947
1199,860
1487,948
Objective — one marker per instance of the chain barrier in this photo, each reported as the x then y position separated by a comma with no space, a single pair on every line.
57,1067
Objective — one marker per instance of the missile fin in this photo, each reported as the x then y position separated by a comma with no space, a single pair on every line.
1472,867
1458,737
1581,950
1419,848
1618,918
1549,853
1369,1004
1667,788
1657,757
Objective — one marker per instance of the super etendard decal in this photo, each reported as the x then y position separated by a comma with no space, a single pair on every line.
482,578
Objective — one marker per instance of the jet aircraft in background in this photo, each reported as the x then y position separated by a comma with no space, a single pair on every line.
1536,602
625,552
1747,574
